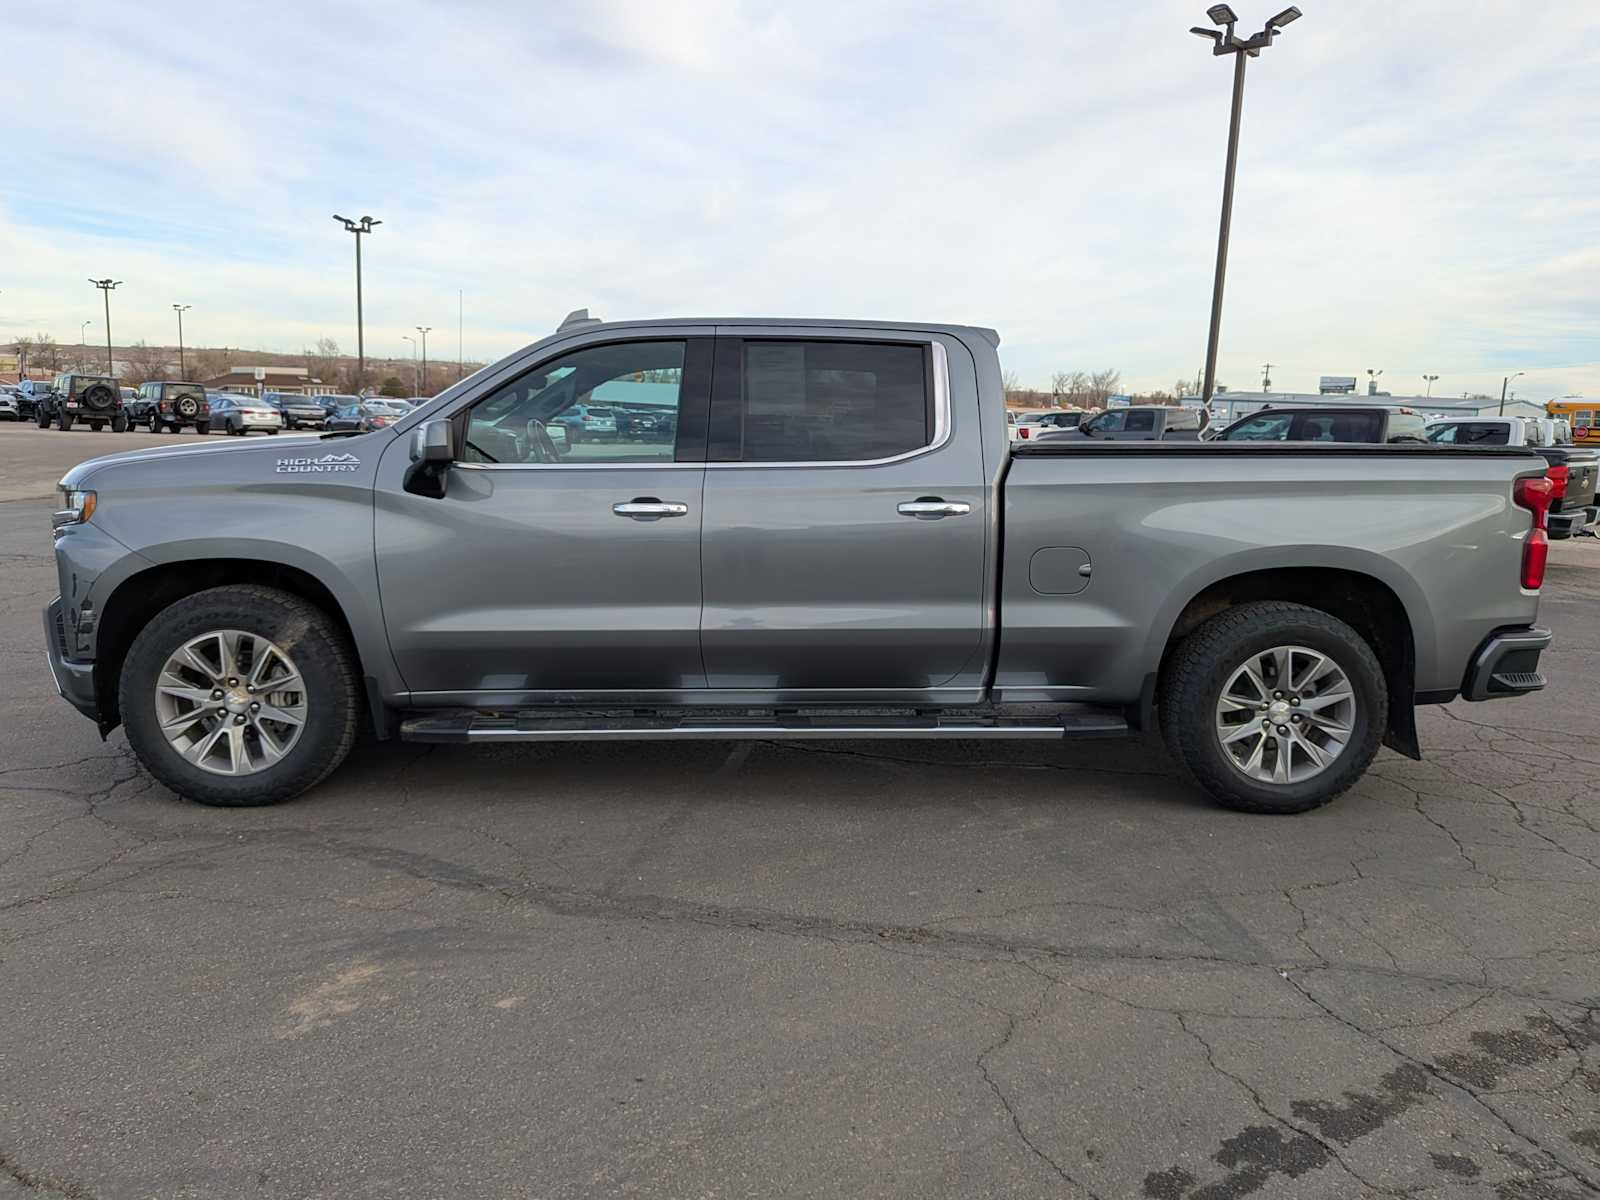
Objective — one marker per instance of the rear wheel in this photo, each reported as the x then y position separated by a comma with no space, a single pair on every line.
41,417
202,426
1274,707
119,423
240,696
234,430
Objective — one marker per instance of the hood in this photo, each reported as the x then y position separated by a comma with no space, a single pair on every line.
214,451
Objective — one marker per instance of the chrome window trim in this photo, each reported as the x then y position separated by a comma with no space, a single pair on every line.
942,427
941,424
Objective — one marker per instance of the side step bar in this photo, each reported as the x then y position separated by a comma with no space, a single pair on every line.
472,726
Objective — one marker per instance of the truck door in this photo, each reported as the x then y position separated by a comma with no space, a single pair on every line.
843,540
565,554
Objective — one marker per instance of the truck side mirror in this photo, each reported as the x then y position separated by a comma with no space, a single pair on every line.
431,456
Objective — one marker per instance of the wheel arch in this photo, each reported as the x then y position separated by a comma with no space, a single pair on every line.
1363,600
140,596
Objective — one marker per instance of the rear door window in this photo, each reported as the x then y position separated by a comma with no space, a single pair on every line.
820,401
1140,422
1271,428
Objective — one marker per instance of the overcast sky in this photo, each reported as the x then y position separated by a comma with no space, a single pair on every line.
1419,187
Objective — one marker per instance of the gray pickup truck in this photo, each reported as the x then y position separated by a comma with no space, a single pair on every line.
823,531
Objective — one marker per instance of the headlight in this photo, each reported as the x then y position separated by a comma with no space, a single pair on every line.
76,508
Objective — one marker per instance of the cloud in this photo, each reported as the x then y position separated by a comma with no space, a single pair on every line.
1417,185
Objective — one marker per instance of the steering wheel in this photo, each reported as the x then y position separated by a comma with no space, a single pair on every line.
541,447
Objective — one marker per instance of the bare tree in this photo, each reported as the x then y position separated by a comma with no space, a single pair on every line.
145,363
1102,386
206,364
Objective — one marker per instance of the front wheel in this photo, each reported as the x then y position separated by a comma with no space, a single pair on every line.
63,420
1274,707
202,426
119,423
240,696
41,417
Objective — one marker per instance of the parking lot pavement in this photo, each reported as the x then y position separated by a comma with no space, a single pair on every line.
32,459
806,970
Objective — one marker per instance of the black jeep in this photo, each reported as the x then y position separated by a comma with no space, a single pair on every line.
96,399
165,406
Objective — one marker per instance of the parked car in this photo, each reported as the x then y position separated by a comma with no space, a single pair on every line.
94,399
298,412
238,415
818,553
1357,424
1135,423
1574,470
30,392
1030,424
588,423
363,416
166,406
9,408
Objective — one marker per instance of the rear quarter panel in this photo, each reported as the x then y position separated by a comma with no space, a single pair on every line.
1439,530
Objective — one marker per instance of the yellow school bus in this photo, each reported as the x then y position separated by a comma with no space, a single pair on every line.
1584,416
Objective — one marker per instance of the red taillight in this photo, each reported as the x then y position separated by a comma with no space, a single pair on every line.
1536,494
1558,477
1022,431
1535,553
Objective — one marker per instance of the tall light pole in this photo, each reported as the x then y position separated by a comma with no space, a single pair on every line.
1226,42
460,361
106,286
180,309
83,334
1503,384
416,379
423,330
364,225
1432,379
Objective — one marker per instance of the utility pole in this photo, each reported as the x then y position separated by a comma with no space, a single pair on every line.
416,376
461,362
106,286
364,225
180,309
423,330
1266,378
1223,43
1503,384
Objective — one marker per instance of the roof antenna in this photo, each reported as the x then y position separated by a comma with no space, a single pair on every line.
577,319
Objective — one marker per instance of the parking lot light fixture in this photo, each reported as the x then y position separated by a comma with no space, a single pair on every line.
1432,379
423,330
359,227
416,378
1226,41
180,309
83,333
106,286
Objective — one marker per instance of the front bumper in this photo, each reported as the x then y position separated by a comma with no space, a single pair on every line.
1507,664
74,680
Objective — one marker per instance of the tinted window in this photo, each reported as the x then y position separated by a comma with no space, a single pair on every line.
1107,422
1140,422
1470,434
513,423
1271,428
1340,427
829,402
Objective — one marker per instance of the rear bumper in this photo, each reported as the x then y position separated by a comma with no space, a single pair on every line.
1507,664
74,680
1570,524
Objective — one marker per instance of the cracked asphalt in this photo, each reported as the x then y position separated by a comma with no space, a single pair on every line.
736,970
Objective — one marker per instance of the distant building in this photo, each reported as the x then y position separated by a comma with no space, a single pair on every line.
252,381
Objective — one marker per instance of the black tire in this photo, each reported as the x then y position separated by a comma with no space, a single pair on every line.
234,430
63,420
325,661
153,423
98,398
119,423
41,417
1200,668
202,426
96,426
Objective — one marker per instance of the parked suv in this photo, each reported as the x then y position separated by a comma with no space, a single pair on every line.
298,412
167,407
96,399
1359,425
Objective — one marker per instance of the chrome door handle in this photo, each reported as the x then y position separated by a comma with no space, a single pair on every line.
645,508
931,509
